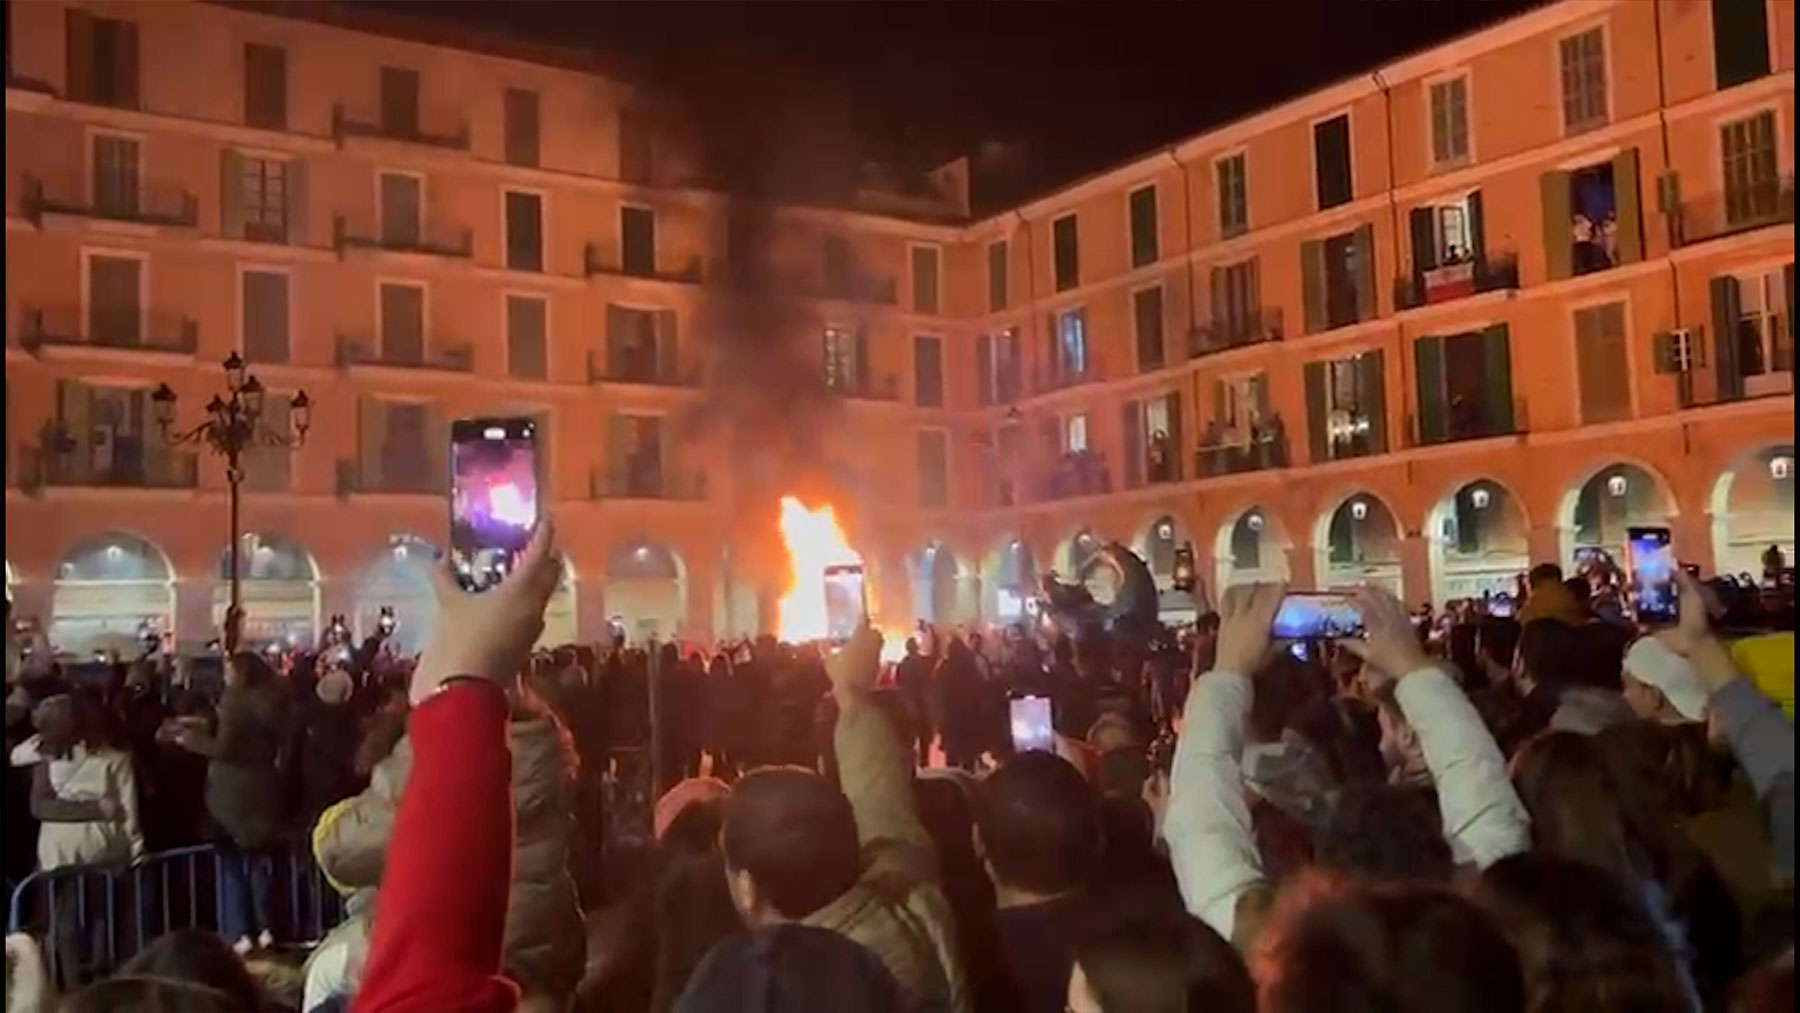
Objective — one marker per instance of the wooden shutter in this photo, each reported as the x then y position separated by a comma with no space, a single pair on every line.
521,114
1259,396
1424,240
1318,413
1221,396
526,343
371,433
1727,316
296,201
618,447
1371,393
1497,389
1148,307
1559,231
78,52
925,279
1627,209
1216,285
861,359
1177,446
1366,292
231,194
1477,227
617,338
1131,428
1428,370
984,370
667,350
74,419
1312,285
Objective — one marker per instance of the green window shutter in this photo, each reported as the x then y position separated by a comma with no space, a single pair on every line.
1312,285
1218,401
1371,391
674,482
1496,358
296,201
984,369
1366,305
618,446
1177,447
1148,307
667,353
1428,370
371,438
862,359
1424,242
1553,188
1318,410
1132,426
1477,227
231,194
1629,212
1727,312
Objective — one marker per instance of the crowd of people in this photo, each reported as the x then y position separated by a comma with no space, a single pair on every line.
1471,811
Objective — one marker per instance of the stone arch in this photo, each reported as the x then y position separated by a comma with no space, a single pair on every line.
1595,511
1357,541
398,579
1478,540
646,590
1251,547
110,593
280,587
1752,508
1156,543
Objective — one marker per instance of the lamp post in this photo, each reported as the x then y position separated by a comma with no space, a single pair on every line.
232,427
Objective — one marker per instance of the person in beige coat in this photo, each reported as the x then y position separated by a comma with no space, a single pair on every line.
545,934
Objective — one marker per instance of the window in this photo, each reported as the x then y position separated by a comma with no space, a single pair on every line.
266,318
1346,407
107,427
640,344
117,180
637,148
1147,320
1750,170
102,60
115,300
521,115
261,211
402,324
399,90
843,359
527,337
1582,59
1239,403
1740,41
1065,258
928,371
1754,340
637,237
934,469
1464,385
524,231
1071,344
840,281
1601,364
1338,279
1233,180
265,86
1236,304
1446,232
404,453
996,275
1450,122
998,367
402,210
925,279
1331,161
1075,433
1144,242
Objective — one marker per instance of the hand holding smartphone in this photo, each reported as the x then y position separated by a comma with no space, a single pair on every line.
846,601
1317,615
494,497
1033,729
1654,591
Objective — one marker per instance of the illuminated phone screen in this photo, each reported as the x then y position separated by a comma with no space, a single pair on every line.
493,497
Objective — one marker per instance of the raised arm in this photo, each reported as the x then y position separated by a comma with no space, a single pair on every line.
874,767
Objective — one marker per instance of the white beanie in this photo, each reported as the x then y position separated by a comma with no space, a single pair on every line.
1651,662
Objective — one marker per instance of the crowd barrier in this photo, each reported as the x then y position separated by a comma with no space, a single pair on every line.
92,918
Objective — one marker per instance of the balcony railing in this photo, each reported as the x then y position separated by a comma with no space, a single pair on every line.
1735,210
885,387
443,357
1060,377
597,261
620,368
127,462
446,133
1463,421
431,239
1456,281
1080,474
1355,434
878,289
147,202
648,484
353,479
123,328
1253,328
1259,447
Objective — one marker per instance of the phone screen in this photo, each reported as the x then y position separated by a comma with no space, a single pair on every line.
1653,563
845,603
1032,728
1317,615
493,497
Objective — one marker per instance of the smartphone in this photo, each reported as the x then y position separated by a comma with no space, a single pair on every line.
1501,606
1032,727
1653,590
1317,615
846,601
494,503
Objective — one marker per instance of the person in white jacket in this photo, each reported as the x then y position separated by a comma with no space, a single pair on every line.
1207,823
83,793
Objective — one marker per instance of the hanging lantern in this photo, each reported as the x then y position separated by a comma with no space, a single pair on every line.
1359,511
1780,467
1479,499
1616,485
1254,522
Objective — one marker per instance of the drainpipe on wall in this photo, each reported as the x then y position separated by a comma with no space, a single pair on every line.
1187,270
1684,380
1393,197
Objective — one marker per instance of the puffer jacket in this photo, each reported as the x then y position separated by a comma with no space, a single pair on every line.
545,935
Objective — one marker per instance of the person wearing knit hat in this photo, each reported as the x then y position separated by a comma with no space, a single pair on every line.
1661,685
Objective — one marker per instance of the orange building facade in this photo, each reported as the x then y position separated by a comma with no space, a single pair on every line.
1475,309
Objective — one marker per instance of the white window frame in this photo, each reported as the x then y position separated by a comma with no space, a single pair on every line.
912,301
1440,233
1130,236
287,182
1768,284
505,329
238,307
543,198
1241,415
1242,156
1606,73
1146,408
1431,84
424,288
91,177
418,178
88,253
1075,433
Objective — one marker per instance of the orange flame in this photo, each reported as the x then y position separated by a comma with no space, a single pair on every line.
814,541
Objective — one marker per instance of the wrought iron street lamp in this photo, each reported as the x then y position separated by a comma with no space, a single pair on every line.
233,427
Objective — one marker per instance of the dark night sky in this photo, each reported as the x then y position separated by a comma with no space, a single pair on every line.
1081,85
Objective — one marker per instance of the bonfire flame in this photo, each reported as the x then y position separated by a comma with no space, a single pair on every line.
814,541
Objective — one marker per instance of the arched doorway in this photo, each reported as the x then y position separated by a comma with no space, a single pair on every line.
1478,539
398,580
1157,544
1596,513
560,624
936,586
1013,576
1752,508
110,594
646,590
1253,548
1358,542
280,586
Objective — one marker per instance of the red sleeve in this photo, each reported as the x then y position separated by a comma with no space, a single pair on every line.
441,912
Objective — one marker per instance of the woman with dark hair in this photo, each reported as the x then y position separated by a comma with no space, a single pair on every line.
198,958
1157,959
